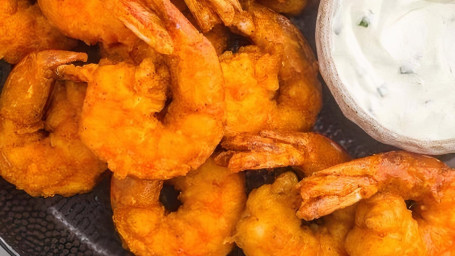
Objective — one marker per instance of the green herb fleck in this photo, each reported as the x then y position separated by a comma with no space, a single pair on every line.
364,22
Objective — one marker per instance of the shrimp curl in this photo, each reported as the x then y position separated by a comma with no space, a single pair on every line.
40,148
212,199
425,180
147,138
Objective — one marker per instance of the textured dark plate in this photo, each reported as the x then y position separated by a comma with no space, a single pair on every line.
82,225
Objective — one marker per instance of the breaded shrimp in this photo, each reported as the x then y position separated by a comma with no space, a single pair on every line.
138,137
40,148
269,226
98,21
308,152
212,200
384,226
427,181
273,84
24,29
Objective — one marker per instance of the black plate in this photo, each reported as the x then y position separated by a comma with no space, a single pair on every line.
82,225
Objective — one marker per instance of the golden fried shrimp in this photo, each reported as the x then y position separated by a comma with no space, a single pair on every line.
94,21
24,29
269,226
292,7
40,148
145,140
427,181
212,200
308,152
384,226
272,85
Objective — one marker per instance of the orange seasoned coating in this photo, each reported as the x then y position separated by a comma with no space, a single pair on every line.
272,85
251,80
212,200
98,21
385,226
425,180
24,29
148,138
39,141
269,226
91,21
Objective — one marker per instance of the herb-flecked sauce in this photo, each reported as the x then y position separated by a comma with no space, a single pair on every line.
397,58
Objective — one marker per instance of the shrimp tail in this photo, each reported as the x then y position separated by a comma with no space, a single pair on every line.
309,152
346,191
145,24
77,73
205,16
209,13
253,152
226,9
176,23
35,73
412,176
54,58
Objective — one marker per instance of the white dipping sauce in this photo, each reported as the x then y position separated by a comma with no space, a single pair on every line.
397,58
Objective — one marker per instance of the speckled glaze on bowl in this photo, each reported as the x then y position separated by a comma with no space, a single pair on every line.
348,104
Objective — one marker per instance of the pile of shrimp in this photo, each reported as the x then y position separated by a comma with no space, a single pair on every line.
187,103
394,203
40,147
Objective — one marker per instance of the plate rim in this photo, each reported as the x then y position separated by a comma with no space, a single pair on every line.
7,248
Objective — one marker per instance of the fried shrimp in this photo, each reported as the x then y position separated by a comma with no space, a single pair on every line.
427,181
24,29
272,85
212,200
269,226
44,157
147,140
384,226
308,152
98,21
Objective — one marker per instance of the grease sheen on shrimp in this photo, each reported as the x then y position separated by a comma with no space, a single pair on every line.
138,137
212,199
427,181
45,157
